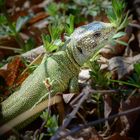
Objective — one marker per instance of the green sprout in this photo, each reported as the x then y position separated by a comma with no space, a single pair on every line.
117,16
69,28
7,27
51,122
52,40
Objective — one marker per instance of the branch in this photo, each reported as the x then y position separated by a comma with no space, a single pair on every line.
75,130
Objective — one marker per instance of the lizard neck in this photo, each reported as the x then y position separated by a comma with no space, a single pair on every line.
71,58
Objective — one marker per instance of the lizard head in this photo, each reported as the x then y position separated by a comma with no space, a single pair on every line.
86,39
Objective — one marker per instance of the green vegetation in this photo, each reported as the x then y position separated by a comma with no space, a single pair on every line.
117,15
51,122
62,20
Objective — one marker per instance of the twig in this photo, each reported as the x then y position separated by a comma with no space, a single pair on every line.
73,131
38,131
76,99
10,48
68,119
103,92
32,63
34,52
85,93
30,55
134,25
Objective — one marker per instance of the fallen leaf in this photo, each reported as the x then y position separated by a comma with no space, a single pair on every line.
122,66
13,68
117,136
107,109
11,75
7,41
128,121
38,17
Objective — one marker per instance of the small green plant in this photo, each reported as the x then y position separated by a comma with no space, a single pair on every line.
52,9
69,28
117,15
51,122
100,79
52,40
118,35
29,44
92,8
11,28
119,18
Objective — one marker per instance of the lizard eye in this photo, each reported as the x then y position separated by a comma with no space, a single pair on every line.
79,49
97,34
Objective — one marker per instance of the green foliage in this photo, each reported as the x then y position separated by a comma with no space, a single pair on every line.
118,35
121,42
100,79
119,18
4,28
81,9
2,2
30,44
116,14
52,9
135,78
92,8
52,41
11,28
55,31
51,122
69,28
3,20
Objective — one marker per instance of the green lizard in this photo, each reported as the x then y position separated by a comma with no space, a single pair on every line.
59,71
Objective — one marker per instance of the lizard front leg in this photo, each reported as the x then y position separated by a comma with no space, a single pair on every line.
73,85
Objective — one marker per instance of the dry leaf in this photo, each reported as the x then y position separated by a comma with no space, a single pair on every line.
13,68
117,136
109,51
121,66
128,121
38,17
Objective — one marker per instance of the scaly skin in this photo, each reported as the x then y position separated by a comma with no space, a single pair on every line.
59,70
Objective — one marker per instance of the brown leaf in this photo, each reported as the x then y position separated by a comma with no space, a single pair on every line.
38,17
107,108
110,107
128,121
21,78
121,66
13,68
7,41
117,136
18,14
37,9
